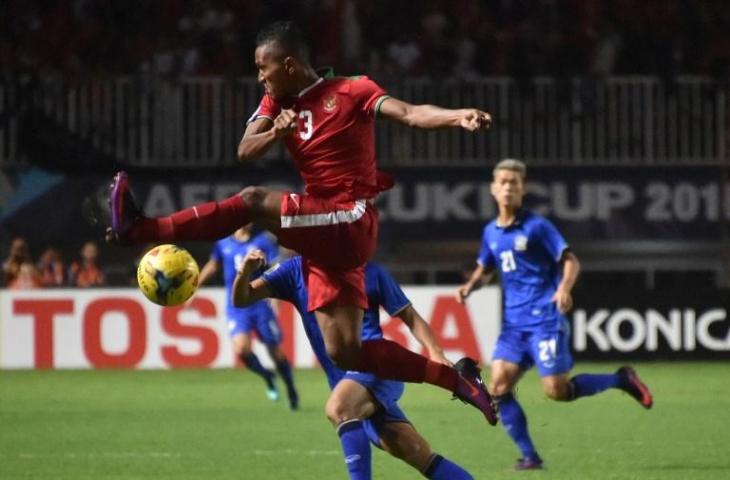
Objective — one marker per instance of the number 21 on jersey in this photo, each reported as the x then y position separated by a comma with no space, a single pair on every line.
306,127
548,350
508,261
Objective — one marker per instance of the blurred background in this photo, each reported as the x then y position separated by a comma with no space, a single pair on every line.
620,109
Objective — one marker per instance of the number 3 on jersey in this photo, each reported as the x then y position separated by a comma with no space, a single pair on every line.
508,261
305,132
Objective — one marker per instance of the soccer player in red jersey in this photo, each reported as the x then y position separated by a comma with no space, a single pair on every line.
327,124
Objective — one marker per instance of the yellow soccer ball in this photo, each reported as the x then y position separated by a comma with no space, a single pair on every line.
168,275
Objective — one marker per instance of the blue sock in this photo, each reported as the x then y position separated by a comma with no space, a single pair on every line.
284,370
442,468
356,449
587,384
253,364
515,423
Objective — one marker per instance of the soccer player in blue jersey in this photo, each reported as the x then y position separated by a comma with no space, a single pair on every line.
258,317
362,407
537,271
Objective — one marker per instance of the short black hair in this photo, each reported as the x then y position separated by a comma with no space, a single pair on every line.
288,36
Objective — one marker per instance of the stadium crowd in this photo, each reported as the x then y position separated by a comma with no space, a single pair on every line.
80,38
20,272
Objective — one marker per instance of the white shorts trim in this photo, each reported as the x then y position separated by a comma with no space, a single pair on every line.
329,218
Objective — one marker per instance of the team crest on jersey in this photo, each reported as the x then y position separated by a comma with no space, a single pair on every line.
520,243
330,103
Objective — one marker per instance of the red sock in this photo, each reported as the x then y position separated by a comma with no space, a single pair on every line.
207,221
389,360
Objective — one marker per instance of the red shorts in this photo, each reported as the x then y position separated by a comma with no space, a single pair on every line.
335,239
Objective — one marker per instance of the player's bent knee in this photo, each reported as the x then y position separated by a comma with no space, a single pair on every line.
254,196
499,389
337,411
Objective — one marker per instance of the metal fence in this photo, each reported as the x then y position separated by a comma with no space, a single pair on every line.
194,122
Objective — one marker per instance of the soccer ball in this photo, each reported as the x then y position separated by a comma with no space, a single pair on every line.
168,275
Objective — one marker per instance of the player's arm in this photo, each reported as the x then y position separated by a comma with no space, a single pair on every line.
431,116
571,268
423,333
479,277
210,268
245,292
262,133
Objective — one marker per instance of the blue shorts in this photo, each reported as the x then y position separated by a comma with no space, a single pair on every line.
259,318
387,393
550,351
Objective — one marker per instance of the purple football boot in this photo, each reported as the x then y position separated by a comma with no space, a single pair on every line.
631,384
124,210
472,390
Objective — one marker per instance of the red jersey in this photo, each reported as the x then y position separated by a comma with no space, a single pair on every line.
334,146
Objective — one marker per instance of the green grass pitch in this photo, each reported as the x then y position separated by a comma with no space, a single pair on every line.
199,424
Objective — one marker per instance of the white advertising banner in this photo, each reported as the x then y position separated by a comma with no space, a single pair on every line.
119,328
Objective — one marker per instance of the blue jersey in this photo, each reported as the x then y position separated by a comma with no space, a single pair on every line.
527,254
230,253
287,283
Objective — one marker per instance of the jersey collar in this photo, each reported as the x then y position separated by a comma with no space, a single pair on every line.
304,92
519,216
326,72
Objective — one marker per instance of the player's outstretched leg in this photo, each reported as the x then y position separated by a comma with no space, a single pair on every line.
472,389
631,384
208,221
515,424
625,378
391,361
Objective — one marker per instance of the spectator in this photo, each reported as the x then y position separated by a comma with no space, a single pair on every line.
85,272
18,255
458,37
50,268
405,54
27,278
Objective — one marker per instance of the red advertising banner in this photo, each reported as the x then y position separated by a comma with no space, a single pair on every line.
119,328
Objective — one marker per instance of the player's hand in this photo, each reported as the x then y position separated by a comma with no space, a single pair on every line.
473,120
462,293
564,300
285,123
253,260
